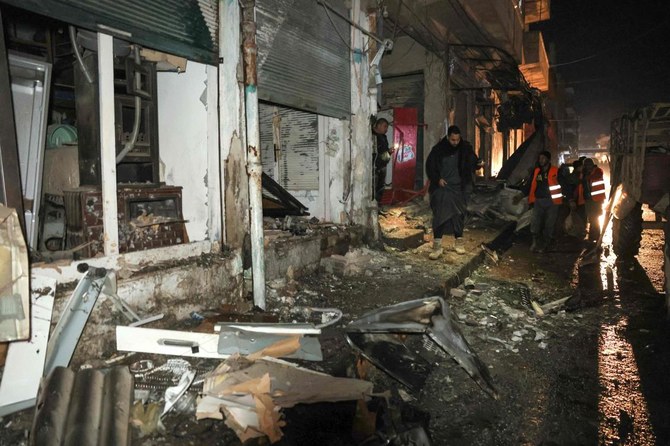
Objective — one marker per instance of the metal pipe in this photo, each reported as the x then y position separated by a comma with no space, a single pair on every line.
254,166
130,145
77,54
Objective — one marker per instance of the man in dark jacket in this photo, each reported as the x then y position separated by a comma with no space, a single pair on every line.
382,157
450,167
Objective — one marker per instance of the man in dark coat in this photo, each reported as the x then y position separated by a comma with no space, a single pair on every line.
381,158
450,167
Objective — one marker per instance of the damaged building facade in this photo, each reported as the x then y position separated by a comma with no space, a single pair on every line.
171,130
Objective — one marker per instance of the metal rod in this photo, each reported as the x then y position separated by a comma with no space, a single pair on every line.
254,166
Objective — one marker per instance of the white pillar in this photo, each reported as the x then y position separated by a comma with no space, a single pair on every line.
363,104
108,143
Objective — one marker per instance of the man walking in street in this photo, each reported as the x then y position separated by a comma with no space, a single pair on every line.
545,196
450,167
591,194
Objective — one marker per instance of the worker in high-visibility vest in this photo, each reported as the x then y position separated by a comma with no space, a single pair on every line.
591,193
545,196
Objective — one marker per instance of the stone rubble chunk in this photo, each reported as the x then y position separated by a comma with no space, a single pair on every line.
457,292
542,345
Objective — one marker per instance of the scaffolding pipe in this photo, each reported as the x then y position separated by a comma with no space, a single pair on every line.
254,166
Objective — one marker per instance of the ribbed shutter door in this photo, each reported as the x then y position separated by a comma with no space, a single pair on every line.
304,56
299,159
403,91
187,28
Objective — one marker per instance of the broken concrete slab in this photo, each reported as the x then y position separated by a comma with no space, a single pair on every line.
404,239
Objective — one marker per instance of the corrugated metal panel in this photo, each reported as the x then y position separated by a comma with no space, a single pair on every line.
90,407
187,28
303,56
403,91
299,158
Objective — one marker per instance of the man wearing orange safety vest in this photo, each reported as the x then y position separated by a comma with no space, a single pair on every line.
591,193
545,196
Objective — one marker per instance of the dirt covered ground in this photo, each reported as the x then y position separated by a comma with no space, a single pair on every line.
593,371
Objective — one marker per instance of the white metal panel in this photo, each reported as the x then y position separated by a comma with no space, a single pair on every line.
31,80
25,359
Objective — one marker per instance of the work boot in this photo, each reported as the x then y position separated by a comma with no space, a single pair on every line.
437,249
458,246
535,245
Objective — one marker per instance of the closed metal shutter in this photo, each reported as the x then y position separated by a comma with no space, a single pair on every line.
298,160
187,28
403,91
304,56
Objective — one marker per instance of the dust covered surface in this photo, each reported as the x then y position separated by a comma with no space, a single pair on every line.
591,372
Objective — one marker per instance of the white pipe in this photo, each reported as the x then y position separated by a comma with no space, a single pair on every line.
130,145
77,54
254,166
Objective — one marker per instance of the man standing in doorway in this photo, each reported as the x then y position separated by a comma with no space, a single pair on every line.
546,197
591,194
381,158
450,167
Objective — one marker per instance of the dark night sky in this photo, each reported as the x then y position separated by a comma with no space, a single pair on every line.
630,42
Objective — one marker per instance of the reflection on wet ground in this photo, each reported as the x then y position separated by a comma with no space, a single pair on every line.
624,416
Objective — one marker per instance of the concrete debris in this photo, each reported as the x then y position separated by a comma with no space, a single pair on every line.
355,262
542,345
251,394
539,335
457,292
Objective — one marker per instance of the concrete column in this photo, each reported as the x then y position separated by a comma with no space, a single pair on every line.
235,195
108,143
363,105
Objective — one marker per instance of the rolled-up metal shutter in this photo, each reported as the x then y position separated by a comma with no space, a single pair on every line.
187,28
299,155
304,56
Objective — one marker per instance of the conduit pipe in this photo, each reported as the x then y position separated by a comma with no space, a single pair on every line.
254,166
130,145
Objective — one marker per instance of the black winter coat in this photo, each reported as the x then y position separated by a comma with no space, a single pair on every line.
467,162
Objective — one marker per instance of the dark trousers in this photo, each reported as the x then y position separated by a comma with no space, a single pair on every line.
452,226
545,213
593,212
380,183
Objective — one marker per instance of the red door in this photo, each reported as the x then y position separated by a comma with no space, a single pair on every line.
405,137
